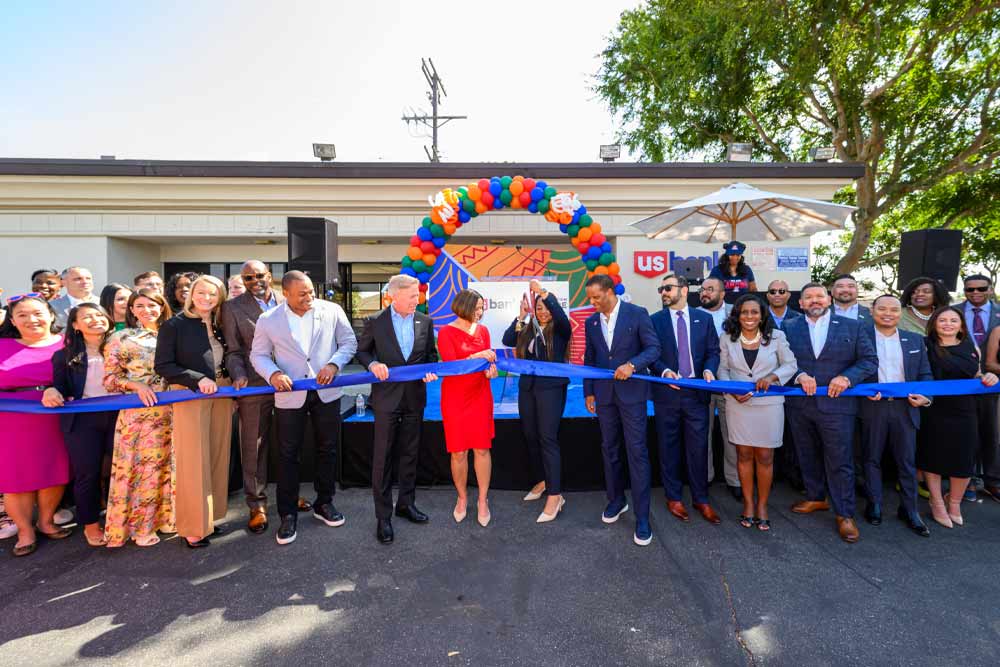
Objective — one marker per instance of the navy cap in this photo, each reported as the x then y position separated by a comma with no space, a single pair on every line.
734,248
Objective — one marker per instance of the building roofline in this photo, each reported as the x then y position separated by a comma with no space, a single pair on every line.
417,170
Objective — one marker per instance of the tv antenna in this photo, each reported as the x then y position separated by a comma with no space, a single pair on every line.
433,121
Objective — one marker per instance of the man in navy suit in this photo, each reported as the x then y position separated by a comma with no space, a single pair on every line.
620,336
689,348
902,357
837,352
844,290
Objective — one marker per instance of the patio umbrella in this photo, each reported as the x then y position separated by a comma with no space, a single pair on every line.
760,216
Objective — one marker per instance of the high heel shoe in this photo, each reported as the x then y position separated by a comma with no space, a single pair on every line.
531,495
954,509
545,518
484,520
939,514
460,516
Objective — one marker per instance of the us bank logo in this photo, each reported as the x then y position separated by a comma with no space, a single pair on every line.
653,263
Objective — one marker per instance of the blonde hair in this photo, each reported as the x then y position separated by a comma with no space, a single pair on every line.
220,289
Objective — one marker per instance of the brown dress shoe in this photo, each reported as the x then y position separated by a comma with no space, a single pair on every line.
258,520
848,529
810,506
708,513
676,508
305,505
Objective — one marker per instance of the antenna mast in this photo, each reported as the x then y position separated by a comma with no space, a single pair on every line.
433,121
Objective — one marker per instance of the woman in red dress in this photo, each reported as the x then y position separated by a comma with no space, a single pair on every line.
467,402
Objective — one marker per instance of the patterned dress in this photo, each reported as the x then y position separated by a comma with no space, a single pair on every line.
141,497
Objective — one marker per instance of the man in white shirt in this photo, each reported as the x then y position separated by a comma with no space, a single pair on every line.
79,284
902,357
712,296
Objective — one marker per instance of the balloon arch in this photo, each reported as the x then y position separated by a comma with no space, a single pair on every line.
450,209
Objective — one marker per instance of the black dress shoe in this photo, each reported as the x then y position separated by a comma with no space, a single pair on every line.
220,530
200,544
328,514
287,532
914,522
873,514
412,514
736,491
384,531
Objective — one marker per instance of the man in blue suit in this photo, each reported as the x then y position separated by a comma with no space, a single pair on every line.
844,291
689,348
902,357
837,352
620,336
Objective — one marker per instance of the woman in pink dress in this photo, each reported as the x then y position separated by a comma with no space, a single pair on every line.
34,465
467,402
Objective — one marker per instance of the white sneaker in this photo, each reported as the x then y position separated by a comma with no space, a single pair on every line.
7,528
62,516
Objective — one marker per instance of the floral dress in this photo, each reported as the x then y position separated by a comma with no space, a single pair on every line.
141,496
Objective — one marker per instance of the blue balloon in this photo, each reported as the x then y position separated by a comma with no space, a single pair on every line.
497,204
424,234
606,247
423,277
496,188
494,178
582,210
563,228
542,185
619,289
464,217
533,207
537,193
576,217
439,241
408,271
594,253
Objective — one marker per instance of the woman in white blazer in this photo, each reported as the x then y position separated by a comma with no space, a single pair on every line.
754,351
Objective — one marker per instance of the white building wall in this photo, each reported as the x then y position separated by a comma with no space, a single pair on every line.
22,255
128,258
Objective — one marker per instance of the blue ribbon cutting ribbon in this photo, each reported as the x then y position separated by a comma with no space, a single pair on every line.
518,366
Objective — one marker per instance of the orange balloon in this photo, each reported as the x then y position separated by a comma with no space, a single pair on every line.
429,259
574,241
449,229
518,178
480,207
515,203
474,192
584,234
436,217
516,188
601,270
613,269
423,297
565,218
551,216
595,228
415,253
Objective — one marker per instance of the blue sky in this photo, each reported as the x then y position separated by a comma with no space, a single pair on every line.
263,80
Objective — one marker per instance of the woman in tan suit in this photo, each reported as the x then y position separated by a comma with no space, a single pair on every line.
754,351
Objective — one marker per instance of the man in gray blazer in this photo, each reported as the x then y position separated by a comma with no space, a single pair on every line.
712,296
301,339
239,320
79,284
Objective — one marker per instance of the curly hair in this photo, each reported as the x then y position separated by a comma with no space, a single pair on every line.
941,297
732,323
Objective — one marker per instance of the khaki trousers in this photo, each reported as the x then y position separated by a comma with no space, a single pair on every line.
202,432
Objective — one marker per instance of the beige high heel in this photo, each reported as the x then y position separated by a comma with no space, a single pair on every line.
484,520
940,514
545,518
534,496
460,516
954,509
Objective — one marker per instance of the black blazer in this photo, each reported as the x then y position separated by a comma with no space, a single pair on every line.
562,331
183,354
70,381
378,343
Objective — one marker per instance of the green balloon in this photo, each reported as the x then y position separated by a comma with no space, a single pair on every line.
585,220
474,213
606,258
468,205
427,222
464,190
407,262
591,264
436,230
550,192
422,308
543,205
573,230
505,182
506,196
419,266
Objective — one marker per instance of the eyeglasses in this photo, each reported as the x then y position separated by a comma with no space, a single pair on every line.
248,277
665,288
29,295
978,289
777,291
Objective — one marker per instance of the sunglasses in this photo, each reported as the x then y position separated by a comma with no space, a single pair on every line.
665,288
247,277
977,289
29,295
777,291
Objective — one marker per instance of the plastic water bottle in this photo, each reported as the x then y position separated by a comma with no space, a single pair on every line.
359,405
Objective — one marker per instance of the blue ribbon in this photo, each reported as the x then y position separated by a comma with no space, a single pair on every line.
511,365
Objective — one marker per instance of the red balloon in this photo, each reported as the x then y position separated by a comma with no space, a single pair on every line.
529,184
484,185
487,198
423,287
597,239
415,241
617,279
583,247
427,246
436,251
524,198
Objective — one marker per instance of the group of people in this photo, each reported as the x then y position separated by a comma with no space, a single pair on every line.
169,464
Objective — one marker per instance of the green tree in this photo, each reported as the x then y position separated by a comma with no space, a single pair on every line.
906,87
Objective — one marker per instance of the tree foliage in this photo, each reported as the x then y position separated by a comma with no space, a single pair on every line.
906,87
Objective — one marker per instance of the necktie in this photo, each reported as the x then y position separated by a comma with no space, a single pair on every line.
683,350
978,330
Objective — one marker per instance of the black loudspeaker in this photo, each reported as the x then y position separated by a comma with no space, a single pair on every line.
935,253
312,248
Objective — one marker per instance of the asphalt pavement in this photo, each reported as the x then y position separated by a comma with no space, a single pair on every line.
571,592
